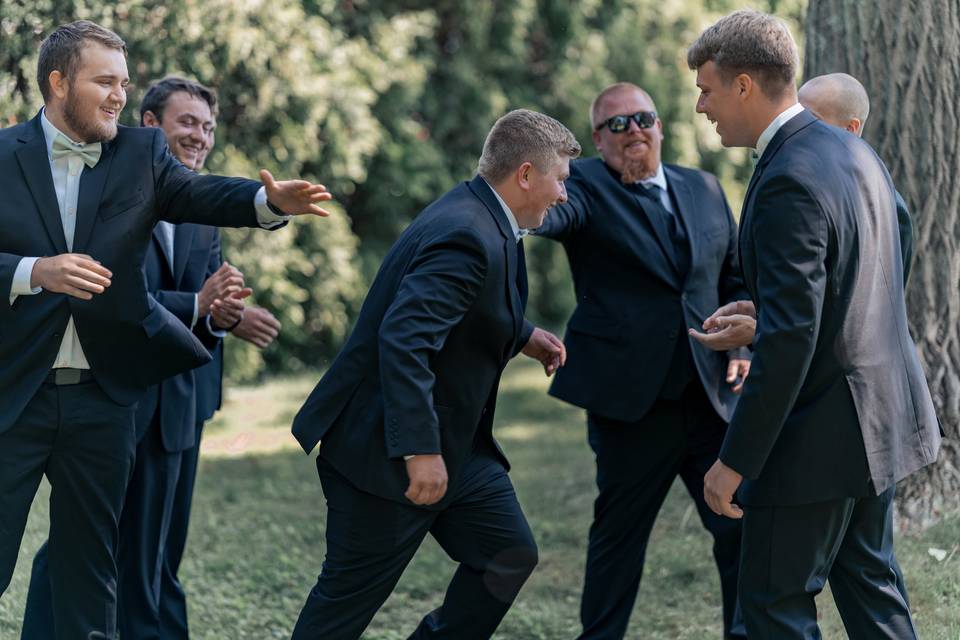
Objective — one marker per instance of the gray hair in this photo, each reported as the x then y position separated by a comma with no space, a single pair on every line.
524,136
749,42
840,94
61,50
610,90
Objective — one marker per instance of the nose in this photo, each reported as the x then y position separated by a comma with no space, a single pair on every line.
700,102
632,126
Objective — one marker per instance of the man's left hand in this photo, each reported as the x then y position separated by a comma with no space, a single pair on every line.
737,371
719,485
258,327
548,349
295,197
727,332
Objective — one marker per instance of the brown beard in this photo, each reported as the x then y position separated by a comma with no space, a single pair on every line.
88,131
637,170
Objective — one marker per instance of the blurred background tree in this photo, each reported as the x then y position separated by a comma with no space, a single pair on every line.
387,102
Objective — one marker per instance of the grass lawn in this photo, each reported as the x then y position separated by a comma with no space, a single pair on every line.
256,543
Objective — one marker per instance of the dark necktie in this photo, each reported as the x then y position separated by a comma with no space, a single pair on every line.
671,224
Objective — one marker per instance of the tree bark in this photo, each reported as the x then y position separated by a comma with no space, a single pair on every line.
907,55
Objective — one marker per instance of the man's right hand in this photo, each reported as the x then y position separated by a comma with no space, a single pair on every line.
221,284
75,274
428,479
228,311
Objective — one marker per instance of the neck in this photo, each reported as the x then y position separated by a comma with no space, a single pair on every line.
768,114
54,114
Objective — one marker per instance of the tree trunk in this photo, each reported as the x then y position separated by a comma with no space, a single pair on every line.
907,55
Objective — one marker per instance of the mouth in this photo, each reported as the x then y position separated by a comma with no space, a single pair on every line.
110,113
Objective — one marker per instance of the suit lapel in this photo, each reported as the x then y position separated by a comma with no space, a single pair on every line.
484,192
168,260
655,224
35,164
182,241
92,182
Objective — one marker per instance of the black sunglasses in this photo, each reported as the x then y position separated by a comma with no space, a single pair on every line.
619,124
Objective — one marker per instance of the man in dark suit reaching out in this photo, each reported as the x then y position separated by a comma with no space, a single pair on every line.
404,416
652,250
81,339
836,409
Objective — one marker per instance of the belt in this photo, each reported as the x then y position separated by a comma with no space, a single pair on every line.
64,376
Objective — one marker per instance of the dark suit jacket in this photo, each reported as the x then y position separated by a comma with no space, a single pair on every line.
130,341
836,404
174,285
419,373
632,305
208,379
905,224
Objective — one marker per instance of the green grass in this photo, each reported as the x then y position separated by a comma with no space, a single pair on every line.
256,543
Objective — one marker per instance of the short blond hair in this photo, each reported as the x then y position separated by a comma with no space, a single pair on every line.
524,136
749,42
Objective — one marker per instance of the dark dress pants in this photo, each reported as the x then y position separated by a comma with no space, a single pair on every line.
84,443
789,553
173,599
370,540
637,463
144,522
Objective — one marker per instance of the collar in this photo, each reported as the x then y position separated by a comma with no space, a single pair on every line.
659,179
50,132
774,126
518,233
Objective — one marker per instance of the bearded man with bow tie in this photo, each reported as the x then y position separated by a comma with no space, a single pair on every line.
80,340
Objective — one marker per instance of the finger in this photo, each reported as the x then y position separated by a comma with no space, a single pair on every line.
82,285
267,179
737,388
315,188
318,211
92,265
91,276
732,370
77,293
240,294
322,196
731,510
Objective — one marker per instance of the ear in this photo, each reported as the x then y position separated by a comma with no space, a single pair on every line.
854,125
523,175
150,119
743,85
59,85
596,139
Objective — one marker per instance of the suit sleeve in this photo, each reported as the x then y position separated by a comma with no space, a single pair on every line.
789,237
8,267
441,285
185,196
905,224
570,217
202,329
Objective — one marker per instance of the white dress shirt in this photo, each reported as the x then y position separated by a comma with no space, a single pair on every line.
774,126
66,173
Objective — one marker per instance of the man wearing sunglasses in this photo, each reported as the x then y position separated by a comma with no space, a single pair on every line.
652,249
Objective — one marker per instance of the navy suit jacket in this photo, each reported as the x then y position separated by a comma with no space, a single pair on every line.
420,371
633,305
196,256
836,404
129,340
208,379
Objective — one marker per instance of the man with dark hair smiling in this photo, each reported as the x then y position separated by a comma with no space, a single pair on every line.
82,340
836,409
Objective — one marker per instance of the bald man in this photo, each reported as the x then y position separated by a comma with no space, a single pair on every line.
840,100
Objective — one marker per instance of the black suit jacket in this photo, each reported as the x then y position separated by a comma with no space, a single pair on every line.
129,340
632,304
174,284
420,370
836,404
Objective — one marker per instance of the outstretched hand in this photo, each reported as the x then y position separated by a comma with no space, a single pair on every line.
730,327
547,348
295,197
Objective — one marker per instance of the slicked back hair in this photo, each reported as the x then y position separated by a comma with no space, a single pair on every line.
524,136
61,50
749,42
155,100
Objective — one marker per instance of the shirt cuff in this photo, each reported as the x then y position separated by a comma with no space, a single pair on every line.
219,333
21,279
196,310
266,218
405,458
